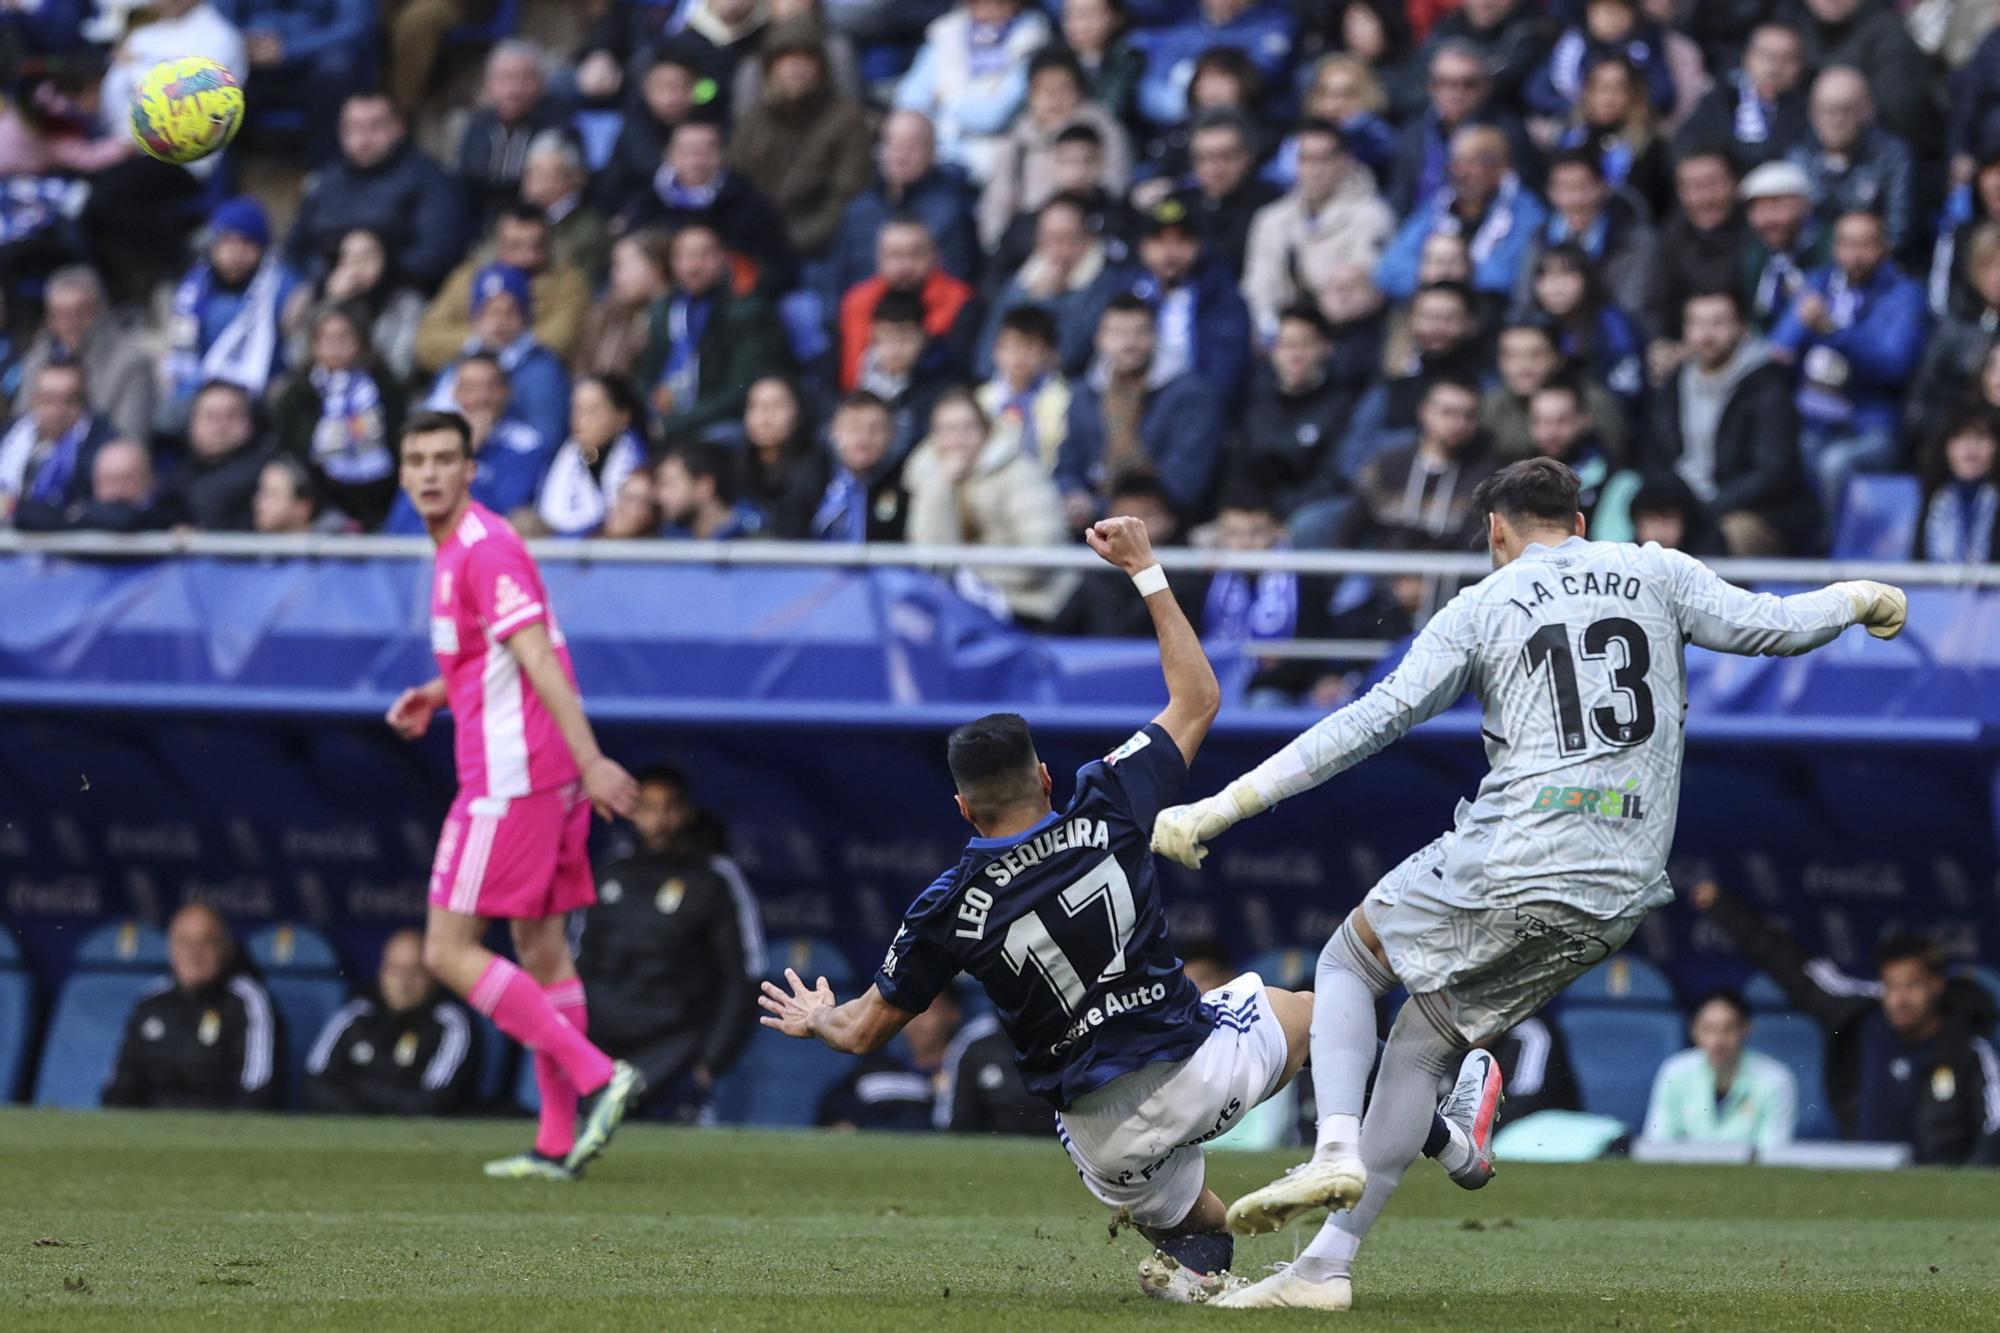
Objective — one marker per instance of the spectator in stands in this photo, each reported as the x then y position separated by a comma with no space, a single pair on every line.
1345,93
340,418
1665,511
400,1051
635,511
502,304
1423,491
225,313
969,487
416,38
672,89
1202,326
124,495
1612,30
205,1038
708,345
1700,249
1068,276
1103,606
904,368
1718,1091
511,457
1614,121
773,472
888,1091
1908,1058
360,275
1726,424
1226,193
1288,447
1961,474
1561,427
1512,37
382,183
804,145
214,485
630,312
1207,963
1961,341
789,17
671,953
288,501
1076,170
1461,94
861,497
1246,610
1870,38
1027,399
1356,320
909,180
606,443
695,489
513,109
1786,244
906,261
1128,414
1379,35
1758,109
723,34
1529,361
47,455
1853,165
1024,175
970,78
1097,34
1854,336
1441,342
1485,202
558,292
1223,79
78,327
553,177
1262,31
694,186
1332,217
310,55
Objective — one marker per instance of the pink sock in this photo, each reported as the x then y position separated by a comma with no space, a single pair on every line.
511,999
556,1134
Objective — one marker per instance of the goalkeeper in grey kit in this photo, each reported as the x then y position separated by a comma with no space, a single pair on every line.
1574,649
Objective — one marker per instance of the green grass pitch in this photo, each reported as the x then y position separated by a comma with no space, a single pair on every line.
192,1222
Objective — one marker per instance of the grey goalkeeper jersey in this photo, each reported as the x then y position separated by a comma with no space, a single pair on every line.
1575,652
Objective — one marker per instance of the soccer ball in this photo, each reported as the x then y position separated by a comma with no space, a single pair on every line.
186,109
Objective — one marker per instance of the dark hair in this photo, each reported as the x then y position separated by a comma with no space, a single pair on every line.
1908,946
520,210
1139,484
1081,132
1127,303
486,359
960,395
624,398
1237,65
1973,418
1697,149
707,461
1031,321
1728,995
1206,949
859,400
1585,158
227,386
993,762
1246,497
430,421
1305,312
1729,294
1664,495
1057,58
1530,324
1066,199
898,307
1534,488
662,775
1463,383
1223,118
1459,290
1325,129
1562,383
303,486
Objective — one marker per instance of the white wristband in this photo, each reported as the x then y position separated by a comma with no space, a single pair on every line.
1150,580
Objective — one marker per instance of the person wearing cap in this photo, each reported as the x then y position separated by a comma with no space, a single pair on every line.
1758,108
1201,323
1332,217
502,305
225,315
694,184
521,239
802,143
1786,240
1854,335
1486,203
1853,163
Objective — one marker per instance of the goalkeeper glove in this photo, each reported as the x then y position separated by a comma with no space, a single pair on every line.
1881,607
1178,833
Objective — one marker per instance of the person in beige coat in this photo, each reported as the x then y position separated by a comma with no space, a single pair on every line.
1024,171
971,486
521,239
1333,217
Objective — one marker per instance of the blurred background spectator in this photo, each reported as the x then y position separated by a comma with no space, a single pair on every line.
205,1037
399,1051
1718,1091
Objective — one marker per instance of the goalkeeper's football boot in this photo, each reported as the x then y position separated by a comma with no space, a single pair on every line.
1330,1182
627,1085
1470,1113
1284,1290
533,1166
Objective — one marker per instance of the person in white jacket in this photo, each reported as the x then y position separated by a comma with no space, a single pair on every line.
1331,218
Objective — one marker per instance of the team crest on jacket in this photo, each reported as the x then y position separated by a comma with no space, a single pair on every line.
209,1029
668,899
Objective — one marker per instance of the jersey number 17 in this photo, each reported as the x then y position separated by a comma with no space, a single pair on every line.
1097,923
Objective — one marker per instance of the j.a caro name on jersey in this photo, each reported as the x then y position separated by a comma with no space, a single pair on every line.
1114,1004
1587,584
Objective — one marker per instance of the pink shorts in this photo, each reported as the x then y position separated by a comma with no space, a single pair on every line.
524,856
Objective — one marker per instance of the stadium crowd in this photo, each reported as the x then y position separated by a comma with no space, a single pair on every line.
882,270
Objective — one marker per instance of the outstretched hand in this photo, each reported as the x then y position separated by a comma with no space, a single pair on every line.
792,1013
1122,542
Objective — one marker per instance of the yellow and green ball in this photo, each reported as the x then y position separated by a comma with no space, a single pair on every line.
186,109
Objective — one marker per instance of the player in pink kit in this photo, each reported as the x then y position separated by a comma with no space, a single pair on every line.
529,773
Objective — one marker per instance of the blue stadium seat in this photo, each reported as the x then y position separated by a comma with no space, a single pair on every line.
17,1015
1616,1050
779,1081
812,957
286,947
1763,993
305,1003
1799,1044
1286,968
123,944
1622,979
1878,520
1988,977
82,1042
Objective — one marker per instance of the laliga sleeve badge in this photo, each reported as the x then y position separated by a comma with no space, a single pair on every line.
209,1029
1140,740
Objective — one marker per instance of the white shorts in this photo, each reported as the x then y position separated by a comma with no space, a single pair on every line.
1475,972
1137,1140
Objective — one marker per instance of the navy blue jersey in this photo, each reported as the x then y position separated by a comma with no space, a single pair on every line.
1063,926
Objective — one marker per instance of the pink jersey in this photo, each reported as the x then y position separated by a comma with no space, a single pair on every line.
487,588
